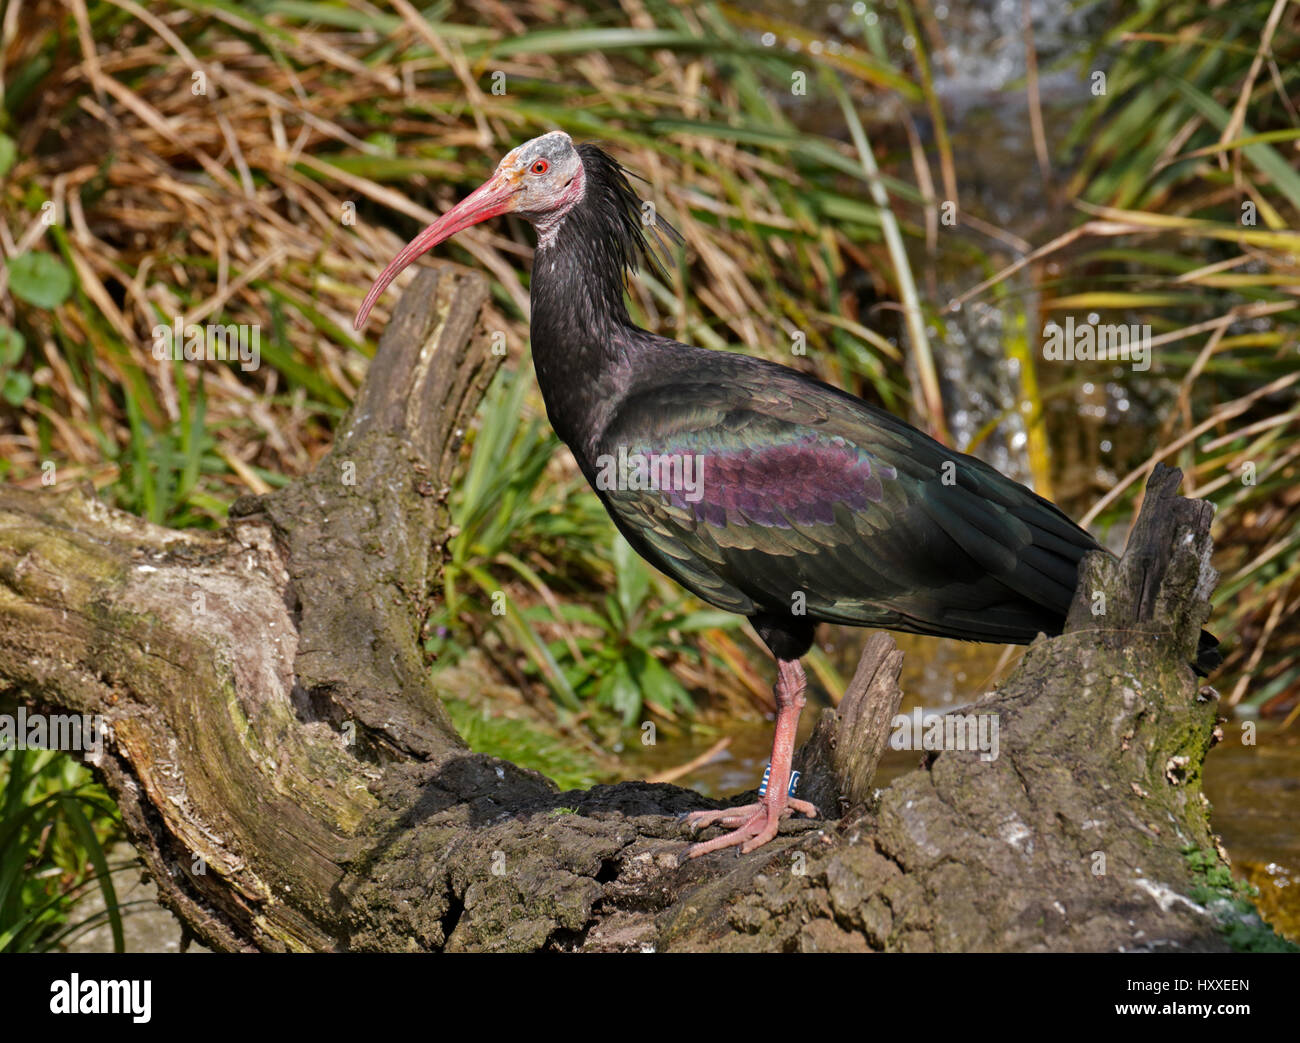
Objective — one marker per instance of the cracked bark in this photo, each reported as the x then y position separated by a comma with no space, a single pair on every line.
271,722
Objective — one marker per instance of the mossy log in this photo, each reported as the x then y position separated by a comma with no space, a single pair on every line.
292,782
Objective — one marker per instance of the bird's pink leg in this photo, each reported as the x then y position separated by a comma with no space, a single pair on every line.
757,823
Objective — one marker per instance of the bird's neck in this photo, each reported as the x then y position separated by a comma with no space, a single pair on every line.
580,329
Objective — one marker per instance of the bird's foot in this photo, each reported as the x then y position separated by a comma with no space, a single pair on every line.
755,824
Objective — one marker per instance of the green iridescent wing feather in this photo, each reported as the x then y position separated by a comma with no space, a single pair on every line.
809,499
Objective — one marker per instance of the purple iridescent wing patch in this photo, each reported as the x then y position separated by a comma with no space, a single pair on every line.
799,482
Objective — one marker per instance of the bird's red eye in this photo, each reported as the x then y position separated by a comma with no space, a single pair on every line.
541,167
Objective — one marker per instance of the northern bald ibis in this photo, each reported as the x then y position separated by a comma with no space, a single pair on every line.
761,490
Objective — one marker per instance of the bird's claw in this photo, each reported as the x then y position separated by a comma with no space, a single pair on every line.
752,825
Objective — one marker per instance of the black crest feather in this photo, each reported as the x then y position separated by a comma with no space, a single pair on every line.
638,243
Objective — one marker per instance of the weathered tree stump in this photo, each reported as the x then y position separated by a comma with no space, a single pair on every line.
292,782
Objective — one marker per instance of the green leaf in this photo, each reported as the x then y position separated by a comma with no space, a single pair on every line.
16,388
623,693
8,153
95,851
40,279
657,683
12,346
1264,156
705,620
633,578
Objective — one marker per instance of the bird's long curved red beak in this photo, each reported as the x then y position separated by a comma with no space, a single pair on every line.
495,196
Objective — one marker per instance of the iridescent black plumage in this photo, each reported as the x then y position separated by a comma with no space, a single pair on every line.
814,505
